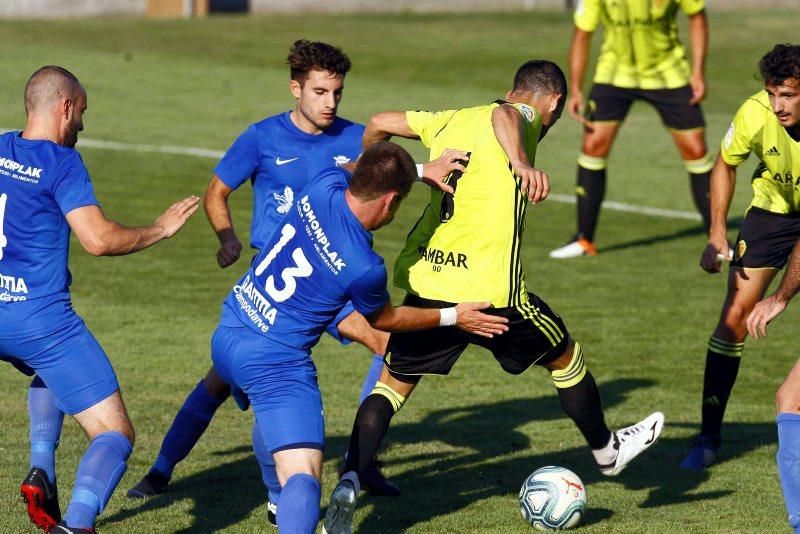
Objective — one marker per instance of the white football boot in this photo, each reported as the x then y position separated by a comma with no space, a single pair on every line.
342,506
633,440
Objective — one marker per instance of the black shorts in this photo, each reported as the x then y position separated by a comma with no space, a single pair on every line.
765,239
537,336
609,103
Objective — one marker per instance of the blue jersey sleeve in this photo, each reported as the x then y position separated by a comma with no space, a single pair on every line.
368,293
72,187
240,161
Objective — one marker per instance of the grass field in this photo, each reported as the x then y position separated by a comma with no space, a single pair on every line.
462,446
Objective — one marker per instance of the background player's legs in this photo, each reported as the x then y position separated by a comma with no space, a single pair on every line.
692,147
266,462
745,288
590,187
787,402
356,328
189,424
105,461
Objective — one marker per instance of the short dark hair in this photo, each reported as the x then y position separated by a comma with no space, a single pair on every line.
540,77
384,167
47,84
780,63
305,56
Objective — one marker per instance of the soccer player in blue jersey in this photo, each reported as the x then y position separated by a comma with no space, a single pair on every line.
318,261
44,192
279,155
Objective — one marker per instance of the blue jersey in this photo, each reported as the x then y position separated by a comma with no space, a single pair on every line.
280,159
40,182
318,259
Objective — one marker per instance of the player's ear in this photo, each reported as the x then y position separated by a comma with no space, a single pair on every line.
508,95
555,100
295,88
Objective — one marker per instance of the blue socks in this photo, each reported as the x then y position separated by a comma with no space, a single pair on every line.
298,509
267,464
789,464
99,472
45,427
192,420
374,373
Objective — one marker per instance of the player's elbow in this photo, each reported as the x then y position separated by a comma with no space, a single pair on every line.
94,244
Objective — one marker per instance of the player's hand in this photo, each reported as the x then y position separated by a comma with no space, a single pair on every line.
470,319
229,252
575,107
534,184
176,215
434,172
762,314
698,84
715,251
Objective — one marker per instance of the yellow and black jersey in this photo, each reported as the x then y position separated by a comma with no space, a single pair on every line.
640,47
776,180
466,247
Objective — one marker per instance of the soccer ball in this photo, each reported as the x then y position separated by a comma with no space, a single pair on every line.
552,498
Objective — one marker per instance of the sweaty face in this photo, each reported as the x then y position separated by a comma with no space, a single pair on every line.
75,122
785,101
317,100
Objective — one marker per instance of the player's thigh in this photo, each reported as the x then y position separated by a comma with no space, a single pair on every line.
403,385
71,363
108,415
787,399
536,335
290,462
678,115
745,288
691,143
349,325
607,107
215,385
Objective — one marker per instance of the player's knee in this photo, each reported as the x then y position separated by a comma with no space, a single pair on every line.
596,146
215,386
735,318
787,398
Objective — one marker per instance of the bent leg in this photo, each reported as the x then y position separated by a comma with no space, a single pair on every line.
788,405
691,145
46,421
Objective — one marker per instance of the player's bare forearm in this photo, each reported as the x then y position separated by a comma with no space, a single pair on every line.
790,283
382,126
578,57
698,38
216,207
723,182
404,319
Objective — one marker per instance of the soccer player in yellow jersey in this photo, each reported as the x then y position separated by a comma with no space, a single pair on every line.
467,242
767,125
641,59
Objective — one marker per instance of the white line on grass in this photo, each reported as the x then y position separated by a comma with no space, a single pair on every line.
216,154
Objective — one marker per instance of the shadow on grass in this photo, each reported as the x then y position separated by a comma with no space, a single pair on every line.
733,223
492,459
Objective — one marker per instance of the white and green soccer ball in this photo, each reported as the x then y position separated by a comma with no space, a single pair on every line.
553,498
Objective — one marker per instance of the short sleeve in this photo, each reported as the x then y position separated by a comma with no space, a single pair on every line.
240,161
427,124
737,143
72,187
587,15
692,7
368,292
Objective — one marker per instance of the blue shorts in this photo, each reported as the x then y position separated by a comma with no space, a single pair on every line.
280,382
69,360
333,328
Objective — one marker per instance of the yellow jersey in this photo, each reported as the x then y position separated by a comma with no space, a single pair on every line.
466,246
776,180
641,49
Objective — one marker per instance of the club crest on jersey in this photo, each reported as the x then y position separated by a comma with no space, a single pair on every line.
340,160
285,200
527,112
729,137
741,248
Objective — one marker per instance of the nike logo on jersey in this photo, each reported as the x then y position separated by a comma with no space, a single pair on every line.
279,161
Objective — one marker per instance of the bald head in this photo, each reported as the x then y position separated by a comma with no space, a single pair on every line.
49,85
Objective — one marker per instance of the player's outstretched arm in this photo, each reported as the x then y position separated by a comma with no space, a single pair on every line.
219,215
772,306
382,126
698,37
507,125
723,181
466,316
103,237
578,56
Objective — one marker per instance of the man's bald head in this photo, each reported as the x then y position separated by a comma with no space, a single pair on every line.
49,85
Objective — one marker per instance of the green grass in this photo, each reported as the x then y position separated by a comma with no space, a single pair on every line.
462,446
